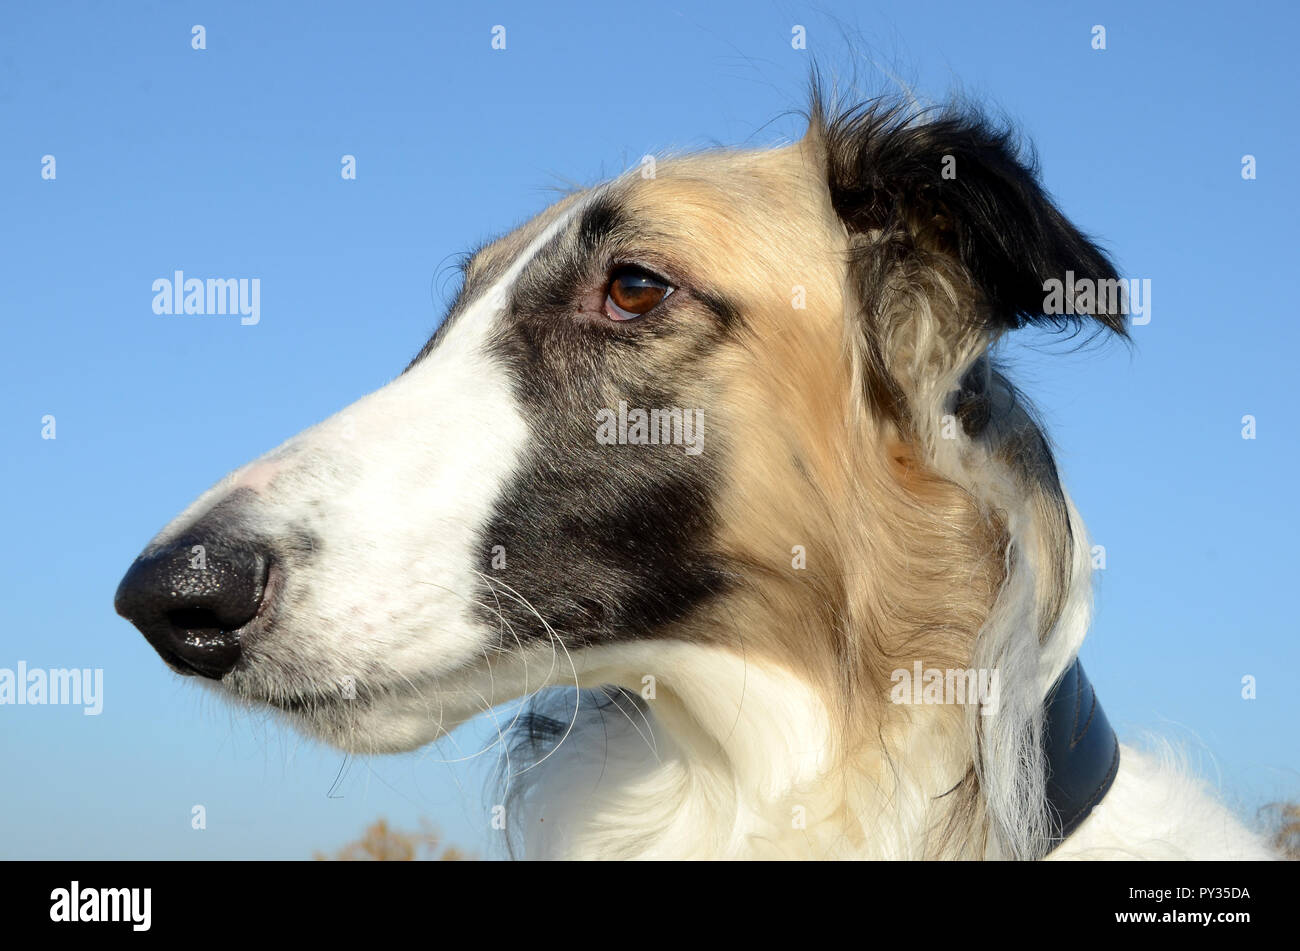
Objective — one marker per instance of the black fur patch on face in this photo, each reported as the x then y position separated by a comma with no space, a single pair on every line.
601,542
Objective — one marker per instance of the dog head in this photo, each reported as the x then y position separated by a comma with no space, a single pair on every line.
737,402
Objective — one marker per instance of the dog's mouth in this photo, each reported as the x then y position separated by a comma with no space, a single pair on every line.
422,706
346,694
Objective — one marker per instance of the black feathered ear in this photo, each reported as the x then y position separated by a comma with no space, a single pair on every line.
952,241
951,182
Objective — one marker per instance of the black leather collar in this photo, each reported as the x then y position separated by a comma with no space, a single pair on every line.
1082,752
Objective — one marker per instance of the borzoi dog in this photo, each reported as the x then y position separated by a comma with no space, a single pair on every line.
712,466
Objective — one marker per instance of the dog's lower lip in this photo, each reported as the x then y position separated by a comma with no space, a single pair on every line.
304,704
363,695
300,704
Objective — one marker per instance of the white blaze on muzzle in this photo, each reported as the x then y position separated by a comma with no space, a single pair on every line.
373,523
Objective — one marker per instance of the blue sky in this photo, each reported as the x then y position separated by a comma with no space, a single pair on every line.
226,161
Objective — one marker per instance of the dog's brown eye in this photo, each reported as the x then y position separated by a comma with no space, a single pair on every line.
633,292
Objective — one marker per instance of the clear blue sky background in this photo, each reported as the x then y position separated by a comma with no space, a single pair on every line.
226,162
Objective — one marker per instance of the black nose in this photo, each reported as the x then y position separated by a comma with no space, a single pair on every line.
192,598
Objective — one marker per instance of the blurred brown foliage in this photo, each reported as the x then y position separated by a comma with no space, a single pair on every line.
382,843
1284,819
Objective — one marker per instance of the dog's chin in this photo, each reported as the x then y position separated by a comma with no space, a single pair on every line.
390,725
391,722
373,732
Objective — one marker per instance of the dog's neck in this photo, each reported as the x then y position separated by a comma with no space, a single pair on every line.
734,759
719,754
678,770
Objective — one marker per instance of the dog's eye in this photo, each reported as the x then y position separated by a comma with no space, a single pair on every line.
633,292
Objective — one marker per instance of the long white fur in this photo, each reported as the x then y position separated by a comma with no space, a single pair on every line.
731,763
